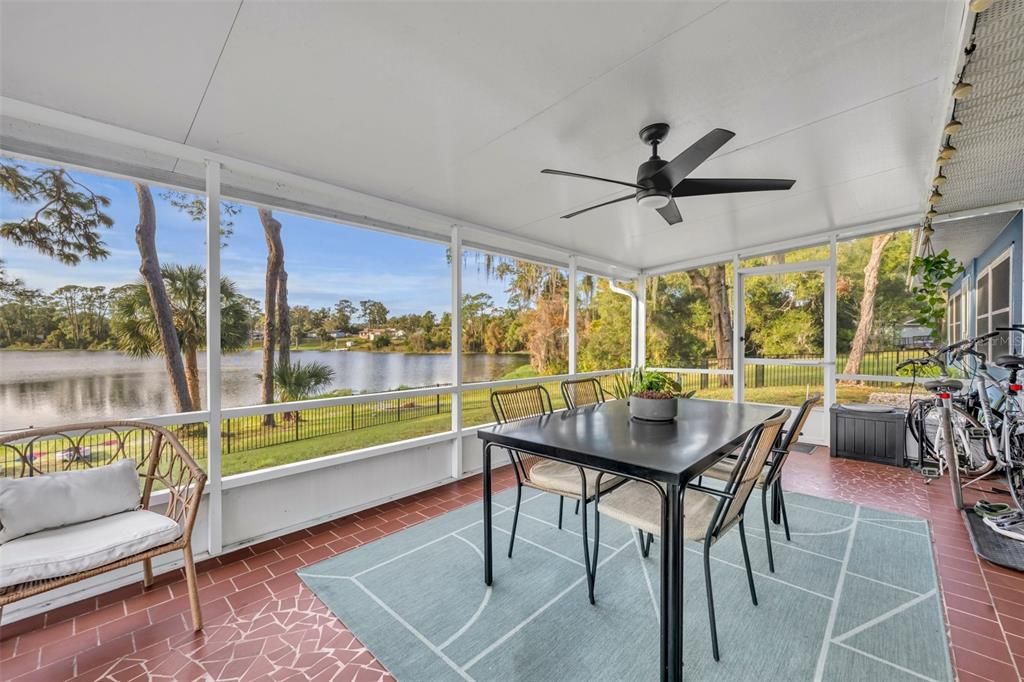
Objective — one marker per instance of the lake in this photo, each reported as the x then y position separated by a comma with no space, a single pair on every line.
40,388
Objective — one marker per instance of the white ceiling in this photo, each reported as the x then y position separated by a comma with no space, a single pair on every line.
455,107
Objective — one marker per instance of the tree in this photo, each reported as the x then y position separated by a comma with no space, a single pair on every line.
163,315
136,329
300,381
374,313
71,298
710,282
867,304
68,223
275,264
344,310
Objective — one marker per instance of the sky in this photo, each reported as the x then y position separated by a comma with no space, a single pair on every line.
325,261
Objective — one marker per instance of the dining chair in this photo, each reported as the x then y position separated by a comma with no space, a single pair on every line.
540,473
771,476
708,514
580,392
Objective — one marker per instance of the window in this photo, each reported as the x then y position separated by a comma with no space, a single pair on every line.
78,339
603,319
352,311
993,301
875,311
515,318
955,317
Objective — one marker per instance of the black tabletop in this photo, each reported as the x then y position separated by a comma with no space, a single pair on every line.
604,437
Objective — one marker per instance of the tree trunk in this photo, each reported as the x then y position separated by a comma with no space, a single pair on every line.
711,282
284,318
275,261
867,304
192,377
149,268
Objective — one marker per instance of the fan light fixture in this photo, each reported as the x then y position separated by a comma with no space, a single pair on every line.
962,90
953,127
948,152
654,201
935,198
939,180
980,5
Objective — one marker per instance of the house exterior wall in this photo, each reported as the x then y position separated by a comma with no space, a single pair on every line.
1011,237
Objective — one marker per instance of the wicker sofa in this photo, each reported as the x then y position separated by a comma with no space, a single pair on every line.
168,476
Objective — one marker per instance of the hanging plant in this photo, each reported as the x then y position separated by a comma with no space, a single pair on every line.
936,272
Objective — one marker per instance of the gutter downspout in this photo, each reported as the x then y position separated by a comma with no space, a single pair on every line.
633,319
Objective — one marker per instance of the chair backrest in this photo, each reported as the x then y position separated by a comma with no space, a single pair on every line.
514,404
161,460
790,439
580,392
756,450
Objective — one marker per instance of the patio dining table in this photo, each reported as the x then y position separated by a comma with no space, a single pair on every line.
603,437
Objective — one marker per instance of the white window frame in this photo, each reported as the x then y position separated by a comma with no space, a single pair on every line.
955,323
1006,256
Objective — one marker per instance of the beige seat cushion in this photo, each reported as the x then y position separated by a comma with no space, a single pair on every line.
639,505
564,479
72,549
722,471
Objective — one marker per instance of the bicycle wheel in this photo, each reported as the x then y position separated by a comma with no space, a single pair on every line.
972,454
1015,468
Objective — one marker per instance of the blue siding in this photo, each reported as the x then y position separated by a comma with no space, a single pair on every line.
1008,238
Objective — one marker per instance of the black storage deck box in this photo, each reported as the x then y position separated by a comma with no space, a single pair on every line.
876,433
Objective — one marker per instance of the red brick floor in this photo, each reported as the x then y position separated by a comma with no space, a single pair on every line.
263,624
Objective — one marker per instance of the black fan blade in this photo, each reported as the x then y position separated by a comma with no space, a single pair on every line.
549,171
591,208
676,170
670,212
693,187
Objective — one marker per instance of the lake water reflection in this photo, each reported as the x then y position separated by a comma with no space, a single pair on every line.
41,388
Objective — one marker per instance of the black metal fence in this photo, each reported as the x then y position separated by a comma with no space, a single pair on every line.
251,433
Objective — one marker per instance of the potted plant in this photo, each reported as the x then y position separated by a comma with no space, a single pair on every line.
651,395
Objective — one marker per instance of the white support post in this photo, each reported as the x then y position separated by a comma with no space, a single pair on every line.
213,378
831,326
640,350
456,351
572,314
738,326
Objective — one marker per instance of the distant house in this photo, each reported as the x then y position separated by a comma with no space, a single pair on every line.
371,333
913,335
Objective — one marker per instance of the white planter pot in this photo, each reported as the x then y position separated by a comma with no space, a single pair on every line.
653,409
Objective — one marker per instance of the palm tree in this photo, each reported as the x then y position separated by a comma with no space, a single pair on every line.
136,331
297,381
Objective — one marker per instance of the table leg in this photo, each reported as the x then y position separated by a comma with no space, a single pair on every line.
672,585
488,575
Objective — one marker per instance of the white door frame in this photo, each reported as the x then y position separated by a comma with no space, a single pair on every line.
827,361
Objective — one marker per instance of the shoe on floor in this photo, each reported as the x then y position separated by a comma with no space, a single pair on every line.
1013,531
986,509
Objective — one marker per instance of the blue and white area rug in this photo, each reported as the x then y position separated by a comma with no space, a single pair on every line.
854,597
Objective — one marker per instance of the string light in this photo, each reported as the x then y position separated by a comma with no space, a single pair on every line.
962,90
953,127
939,180
935,198
980,5
948,152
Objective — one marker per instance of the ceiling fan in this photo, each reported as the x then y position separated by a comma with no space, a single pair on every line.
659,182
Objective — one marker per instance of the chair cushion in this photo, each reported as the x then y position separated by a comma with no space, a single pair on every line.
72,549
722,471
564,479
35,503
639,505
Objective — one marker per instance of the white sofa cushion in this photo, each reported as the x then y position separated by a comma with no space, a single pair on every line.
35,503
72,549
